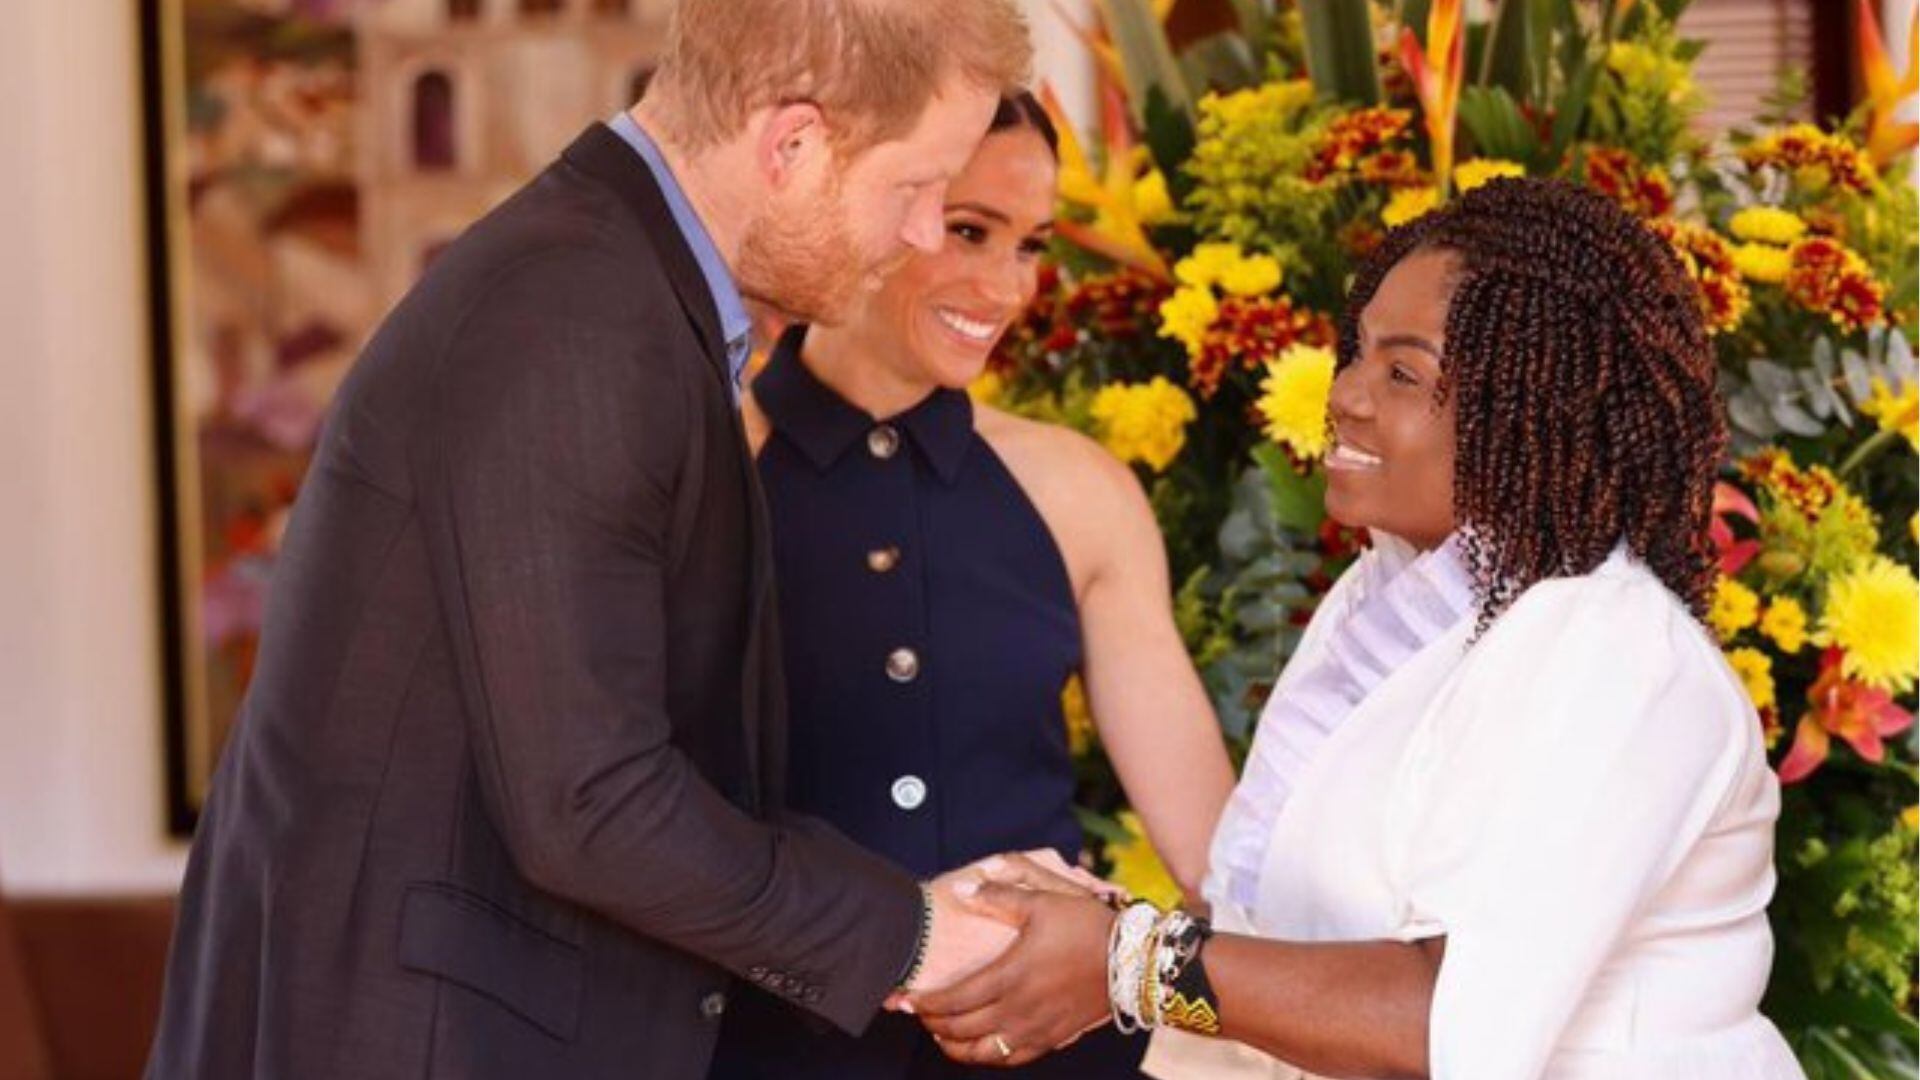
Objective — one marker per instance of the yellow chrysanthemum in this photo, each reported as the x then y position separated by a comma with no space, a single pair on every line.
1471,174
1293,399
1186,315
1763,263
1896,412
1144,422
1767,225
1755,669
1073,706
986,389
1137,867
1408,204
1206,265
1734,608
1255,275
1785,624
1873,616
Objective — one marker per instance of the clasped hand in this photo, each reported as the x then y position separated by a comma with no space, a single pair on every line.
1016,967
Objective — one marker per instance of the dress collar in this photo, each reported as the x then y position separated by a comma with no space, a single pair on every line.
822,424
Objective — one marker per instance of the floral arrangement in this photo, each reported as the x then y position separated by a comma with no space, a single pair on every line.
1251,151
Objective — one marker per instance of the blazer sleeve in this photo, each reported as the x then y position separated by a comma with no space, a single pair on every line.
1570,772
559,435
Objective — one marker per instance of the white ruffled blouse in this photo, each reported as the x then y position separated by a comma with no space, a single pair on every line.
1580,802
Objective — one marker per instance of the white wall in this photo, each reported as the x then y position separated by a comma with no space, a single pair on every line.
81,782
81,796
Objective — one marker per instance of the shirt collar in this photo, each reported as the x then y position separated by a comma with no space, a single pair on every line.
735,325
823,425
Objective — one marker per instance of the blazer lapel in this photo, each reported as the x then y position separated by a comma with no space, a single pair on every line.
605,156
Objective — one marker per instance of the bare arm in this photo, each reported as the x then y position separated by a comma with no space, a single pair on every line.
1147,702
1335,1008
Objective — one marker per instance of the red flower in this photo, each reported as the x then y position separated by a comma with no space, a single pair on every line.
1858,714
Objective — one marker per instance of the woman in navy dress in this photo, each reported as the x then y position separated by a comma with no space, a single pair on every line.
944,570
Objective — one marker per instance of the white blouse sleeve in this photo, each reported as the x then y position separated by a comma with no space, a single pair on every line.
1591,736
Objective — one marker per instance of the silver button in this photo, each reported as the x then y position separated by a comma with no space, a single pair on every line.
903,665
909,792
883,442
883,560
714,1005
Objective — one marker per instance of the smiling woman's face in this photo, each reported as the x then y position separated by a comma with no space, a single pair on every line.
1391,466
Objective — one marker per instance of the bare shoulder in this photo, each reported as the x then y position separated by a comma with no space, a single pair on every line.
1090,500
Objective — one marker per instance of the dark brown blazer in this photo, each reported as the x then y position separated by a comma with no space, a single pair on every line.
504,799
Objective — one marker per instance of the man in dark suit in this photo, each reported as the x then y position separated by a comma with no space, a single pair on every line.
504,800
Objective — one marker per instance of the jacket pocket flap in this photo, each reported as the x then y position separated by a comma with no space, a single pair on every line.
463,938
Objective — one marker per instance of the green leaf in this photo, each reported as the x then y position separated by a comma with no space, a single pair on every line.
1100,825
1145,56
1571,114
1340,56
1299,502
1504,63
1493,118
1170,139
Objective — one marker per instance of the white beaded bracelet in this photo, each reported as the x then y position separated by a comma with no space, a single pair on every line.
1127,959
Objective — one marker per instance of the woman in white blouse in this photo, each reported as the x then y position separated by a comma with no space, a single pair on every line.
1508,814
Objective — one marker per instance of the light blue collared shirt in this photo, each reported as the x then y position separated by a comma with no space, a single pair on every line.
736,327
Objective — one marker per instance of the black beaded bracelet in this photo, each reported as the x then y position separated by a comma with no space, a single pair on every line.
919,957
1189,1003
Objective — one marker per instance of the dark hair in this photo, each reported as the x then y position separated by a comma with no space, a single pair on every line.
1578,363
1023,110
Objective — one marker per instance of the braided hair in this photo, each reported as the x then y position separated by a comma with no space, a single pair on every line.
1583,386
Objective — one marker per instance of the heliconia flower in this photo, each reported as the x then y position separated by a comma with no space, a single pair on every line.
1860,715
1437,74
1117,231
1887,137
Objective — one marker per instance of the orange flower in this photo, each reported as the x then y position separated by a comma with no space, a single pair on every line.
1859,715
1887,137
1437,74
1813,157
1709,261
1621,177
1734,554
1353,136
1247,333
1824,276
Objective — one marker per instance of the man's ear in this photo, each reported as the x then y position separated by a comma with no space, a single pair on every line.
793,138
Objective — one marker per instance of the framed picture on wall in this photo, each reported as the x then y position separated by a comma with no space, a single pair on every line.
306,161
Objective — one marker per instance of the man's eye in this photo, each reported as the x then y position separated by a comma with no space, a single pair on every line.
1400,373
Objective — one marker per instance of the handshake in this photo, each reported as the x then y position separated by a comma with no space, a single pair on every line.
1015,961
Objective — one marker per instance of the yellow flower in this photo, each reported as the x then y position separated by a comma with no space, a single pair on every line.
1910,817
1896,412
1073,706
986,389
1408,204
1734,608
1255,275
1151,201
1638,65
1786,624
1873,616
1471,174
1187,314
1767,225
1293,399
1137,867
1755,669
1202,268
1763,263
1144,422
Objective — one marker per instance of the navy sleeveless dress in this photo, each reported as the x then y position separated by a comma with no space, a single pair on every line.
929,626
